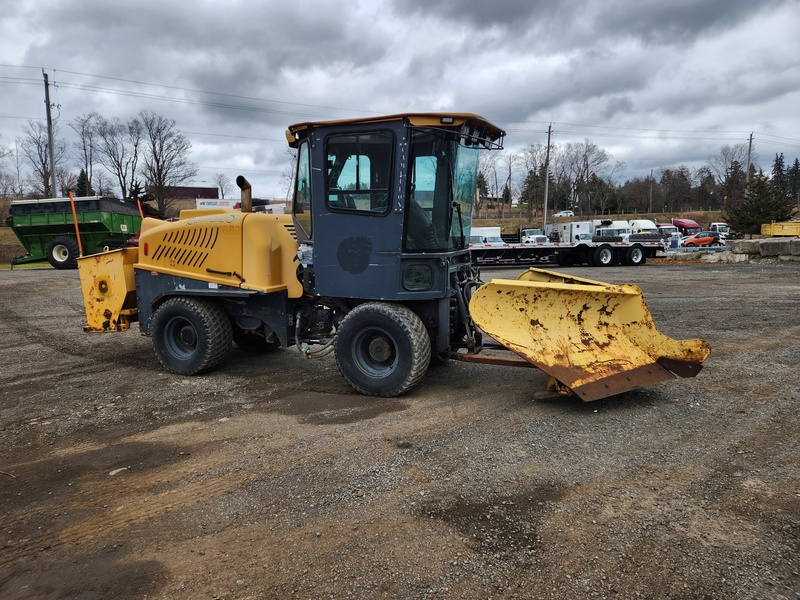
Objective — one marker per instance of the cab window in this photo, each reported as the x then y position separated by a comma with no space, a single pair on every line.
358,172
302,192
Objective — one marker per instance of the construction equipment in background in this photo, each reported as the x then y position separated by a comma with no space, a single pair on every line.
781,229
372,265
47,227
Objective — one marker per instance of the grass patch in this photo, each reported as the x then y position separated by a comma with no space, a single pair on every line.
7,236
36,265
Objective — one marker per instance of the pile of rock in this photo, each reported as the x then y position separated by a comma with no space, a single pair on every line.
778,248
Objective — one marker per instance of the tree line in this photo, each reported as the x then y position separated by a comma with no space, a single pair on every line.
583,178
144,156
135,159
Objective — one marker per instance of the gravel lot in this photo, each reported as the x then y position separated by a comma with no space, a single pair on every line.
270,478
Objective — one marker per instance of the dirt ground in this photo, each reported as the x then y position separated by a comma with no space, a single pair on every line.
271,478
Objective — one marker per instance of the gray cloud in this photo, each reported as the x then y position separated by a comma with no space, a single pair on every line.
229,73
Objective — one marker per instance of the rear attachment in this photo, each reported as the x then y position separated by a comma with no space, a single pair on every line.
109,290
594,339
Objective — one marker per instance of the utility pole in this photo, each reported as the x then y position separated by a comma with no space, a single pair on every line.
651,191
749,148
546,178
53,188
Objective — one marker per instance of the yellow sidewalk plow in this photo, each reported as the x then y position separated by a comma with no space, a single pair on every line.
594,339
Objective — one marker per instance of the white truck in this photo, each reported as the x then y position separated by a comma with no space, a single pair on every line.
611,229
643,226
487,237
530,236
605,242
721,228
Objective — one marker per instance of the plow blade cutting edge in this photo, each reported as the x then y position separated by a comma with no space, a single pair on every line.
596,339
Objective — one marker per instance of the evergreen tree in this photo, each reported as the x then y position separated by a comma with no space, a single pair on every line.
83,187
761,203
733,186
483,187
506,195
779,176
793,181
530,189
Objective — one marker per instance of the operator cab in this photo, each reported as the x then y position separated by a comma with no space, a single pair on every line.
379,202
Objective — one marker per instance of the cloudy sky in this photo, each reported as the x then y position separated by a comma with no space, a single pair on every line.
654,83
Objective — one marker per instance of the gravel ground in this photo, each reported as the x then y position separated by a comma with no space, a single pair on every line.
270,478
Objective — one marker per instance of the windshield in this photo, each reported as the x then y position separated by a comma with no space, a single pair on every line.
441,191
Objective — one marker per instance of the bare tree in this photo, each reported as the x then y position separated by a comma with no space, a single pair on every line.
86,128
34,147
509,161
17,173
721,163
6,180
4,152
66,181
118,146
6,184
223,182
533,157
488,165
289,169
104,186
166,157
582,161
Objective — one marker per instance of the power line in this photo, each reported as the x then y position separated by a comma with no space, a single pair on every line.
240,169
576,129
78,86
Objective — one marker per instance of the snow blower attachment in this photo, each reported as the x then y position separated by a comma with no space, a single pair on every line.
594,339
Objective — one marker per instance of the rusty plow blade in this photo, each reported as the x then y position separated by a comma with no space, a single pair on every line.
594,338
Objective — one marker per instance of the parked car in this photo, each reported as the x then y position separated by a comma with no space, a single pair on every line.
703,239
133,241
564,213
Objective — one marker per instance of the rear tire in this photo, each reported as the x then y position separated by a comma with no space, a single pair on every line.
603,256
565,260
62,253
382,349
190,335
634,256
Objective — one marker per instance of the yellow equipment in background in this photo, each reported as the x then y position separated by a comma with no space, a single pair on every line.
594,338
786,228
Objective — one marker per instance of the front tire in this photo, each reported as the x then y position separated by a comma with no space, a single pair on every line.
62,253
190,335
382,349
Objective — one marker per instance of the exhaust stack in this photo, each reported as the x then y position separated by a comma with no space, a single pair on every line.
247,194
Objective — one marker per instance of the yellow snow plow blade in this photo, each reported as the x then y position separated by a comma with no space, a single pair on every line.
594,338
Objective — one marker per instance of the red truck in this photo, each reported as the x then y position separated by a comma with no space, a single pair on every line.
687,226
